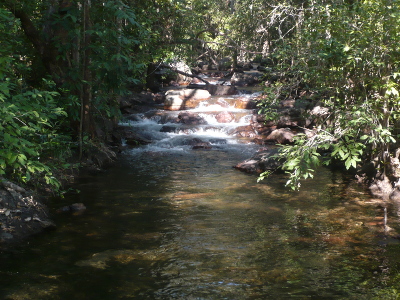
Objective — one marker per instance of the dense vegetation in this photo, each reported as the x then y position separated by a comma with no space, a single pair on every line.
63,64
347,53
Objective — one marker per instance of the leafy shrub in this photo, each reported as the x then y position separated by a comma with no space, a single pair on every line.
29,124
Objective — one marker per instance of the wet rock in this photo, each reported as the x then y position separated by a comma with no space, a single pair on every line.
191,119
137,102
245,103
395,195
222,103
288,117
6,236
12,186
203,145
224,117
100,260
281,136
218,141
221,90
260,162
46,224
198,144
16,206
244,131
76,207
383,189
133,138
247,79
168,128
263,129
184,99
291,118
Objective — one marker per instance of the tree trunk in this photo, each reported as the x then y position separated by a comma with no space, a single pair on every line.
86,127
46,50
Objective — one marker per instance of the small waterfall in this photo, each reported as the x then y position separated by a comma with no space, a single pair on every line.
214,124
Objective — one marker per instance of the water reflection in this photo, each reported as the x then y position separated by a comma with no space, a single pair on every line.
185,225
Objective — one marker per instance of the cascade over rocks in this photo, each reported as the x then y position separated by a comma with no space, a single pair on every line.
225,117
282,130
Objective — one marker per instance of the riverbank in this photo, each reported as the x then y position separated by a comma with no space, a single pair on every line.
24,212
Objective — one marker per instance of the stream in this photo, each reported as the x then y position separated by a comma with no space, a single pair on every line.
173,221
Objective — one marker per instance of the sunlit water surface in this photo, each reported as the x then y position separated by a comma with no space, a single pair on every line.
176,223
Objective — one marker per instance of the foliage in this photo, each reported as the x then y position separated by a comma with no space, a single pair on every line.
29,127
349,54
93,52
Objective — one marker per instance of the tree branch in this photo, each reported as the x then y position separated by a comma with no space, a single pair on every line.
184,73
29,28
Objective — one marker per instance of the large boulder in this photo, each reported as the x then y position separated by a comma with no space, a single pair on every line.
184,99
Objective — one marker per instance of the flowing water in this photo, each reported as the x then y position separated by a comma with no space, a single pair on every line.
172,222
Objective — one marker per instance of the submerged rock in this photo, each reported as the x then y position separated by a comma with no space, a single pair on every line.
76,207
260,162
198,144
101,260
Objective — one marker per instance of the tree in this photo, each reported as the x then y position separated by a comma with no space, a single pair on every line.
86,49
348,53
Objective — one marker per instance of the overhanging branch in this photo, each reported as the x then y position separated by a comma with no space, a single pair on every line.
184,73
